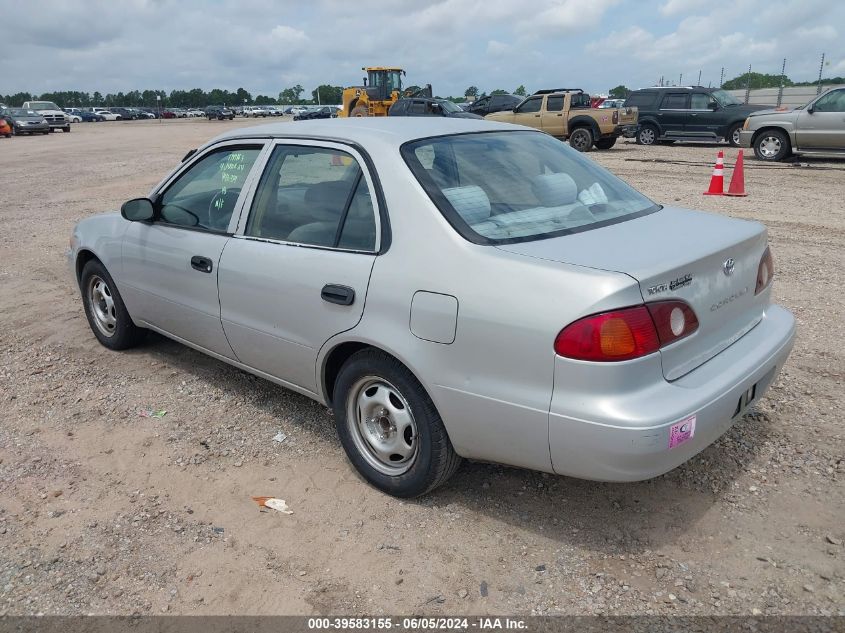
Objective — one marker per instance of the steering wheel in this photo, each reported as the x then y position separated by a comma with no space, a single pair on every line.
218,217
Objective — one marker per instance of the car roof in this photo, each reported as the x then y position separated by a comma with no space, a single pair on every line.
367,131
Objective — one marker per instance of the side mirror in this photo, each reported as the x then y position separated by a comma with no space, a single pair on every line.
137,210
811,109
515,109
713,105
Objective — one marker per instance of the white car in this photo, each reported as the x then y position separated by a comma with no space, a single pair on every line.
107,115
73,115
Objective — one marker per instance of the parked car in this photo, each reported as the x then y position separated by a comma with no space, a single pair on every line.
87,116
273,110
688,113
141,113
75,114
107,115
424,106
124,114
54,115
219,113
255,111
492,103
5,126
818,128
324,112
298,110
612,103
26,121
168,114
599,335
568,114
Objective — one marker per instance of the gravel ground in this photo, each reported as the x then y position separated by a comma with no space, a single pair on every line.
104,511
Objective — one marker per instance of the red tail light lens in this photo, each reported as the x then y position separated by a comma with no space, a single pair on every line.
628,333
609,336
765,272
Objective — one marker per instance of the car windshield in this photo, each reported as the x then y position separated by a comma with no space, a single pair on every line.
502,187
725,98
43,105
448,106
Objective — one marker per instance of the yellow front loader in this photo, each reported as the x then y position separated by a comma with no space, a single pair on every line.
382,88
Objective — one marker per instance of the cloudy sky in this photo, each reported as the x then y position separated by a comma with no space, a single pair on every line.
265,46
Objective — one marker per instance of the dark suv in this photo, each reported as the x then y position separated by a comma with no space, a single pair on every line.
494,103
689,113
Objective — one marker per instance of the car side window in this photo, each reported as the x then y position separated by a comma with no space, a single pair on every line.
205,195
530,105
833,101
417,108
554,104
641,99
314,196
700,101
675,101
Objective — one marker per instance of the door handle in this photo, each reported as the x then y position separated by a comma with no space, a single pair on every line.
536,115
341,295
560,114
202,264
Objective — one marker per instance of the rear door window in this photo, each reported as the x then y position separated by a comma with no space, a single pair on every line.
555,103
641,99
675,101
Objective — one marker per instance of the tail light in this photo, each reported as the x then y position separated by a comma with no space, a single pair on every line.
628,333
765,272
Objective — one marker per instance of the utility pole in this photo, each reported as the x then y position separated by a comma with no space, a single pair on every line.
681,80
699,78
722,77
821,68
780,90
748,84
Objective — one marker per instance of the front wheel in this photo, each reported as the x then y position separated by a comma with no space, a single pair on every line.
389,427
606,143
107,315
733,135
66,129
581,139
772,145
360,111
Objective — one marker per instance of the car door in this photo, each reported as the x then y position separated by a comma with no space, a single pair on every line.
296,272
552,120
528,112
673,113
704,118
823,128
170,265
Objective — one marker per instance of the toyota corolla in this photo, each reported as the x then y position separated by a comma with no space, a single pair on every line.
450,289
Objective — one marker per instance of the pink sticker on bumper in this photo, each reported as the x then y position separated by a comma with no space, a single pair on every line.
681,432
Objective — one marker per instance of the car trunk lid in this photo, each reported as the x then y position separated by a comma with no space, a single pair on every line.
677,254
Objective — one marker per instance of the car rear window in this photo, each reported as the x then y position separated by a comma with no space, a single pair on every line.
504,187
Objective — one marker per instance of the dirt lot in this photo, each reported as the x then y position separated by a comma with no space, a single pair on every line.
104,511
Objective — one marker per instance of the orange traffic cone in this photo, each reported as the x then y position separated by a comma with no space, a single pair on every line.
717,180
737,186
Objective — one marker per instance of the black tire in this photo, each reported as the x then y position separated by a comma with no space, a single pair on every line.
66,129
359,111
581,139
772,145
434,459
733,135
124,334
606,143
647,134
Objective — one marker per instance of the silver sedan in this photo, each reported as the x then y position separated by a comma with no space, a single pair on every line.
451,289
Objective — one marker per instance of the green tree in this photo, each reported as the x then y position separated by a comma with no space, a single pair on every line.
328,94
758,80
472,91
291,95
499,91
521,91
619,92
243,97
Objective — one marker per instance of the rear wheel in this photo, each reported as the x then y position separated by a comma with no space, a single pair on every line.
606,143
107,315
647,135
581,139
360,111
389,427
772,145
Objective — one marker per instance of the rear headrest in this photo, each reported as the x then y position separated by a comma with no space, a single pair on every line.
471,203
326,200
554,190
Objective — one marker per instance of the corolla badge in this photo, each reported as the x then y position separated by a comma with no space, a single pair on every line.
728,266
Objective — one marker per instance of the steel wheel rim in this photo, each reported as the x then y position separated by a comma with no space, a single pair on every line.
382,426
101,305
579,140
770,146
735,136
647,136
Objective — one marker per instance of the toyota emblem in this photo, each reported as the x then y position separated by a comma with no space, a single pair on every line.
728,266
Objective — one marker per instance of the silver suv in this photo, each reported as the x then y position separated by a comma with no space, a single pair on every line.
817,128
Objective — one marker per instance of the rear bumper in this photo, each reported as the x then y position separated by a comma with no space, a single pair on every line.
621,431
746,137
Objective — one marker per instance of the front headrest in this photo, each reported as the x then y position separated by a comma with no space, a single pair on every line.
554,190
471,203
